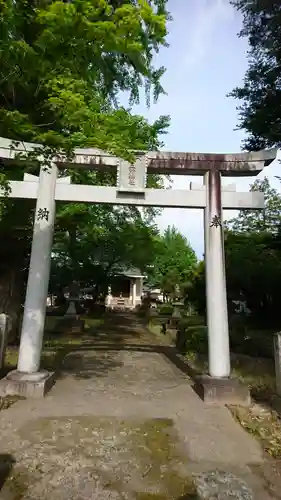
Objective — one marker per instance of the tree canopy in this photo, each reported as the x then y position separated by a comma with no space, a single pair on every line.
260,94
174,262
268,219
91,245
252,260
63,66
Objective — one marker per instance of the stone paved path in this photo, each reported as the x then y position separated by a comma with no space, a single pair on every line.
122,422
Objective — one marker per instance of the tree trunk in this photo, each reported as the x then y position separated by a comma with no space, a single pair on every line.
11,284
15,235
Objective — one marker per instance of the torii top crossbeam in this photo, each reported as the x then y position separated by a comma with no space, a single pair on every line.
234,165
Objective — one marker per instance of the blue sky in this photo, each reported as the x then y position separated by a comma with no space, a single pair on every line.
205,61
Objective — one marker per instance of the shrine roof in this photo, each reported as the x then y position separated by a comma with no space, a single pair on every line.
132,272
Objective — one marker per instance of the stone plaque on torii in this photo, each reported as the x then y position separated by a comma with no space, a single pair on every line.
131,190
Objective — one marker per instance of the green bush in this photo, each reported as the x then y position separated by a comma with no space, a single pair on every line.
142,310
192,321
244,339
166,309
255,343
192,338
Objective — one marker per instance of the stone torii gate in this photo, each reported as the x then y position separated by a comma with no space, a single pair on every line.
131,190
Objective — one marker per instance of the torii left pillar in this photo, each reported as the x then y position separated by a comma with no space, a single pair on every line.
27,379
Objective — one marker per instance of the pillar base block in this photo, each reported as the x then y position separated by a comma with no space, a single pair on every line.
28,385
222,391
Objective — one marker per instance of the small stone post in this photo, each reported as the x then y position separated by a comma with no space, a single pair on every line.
39,272
219,353
134,293
277,358
108,299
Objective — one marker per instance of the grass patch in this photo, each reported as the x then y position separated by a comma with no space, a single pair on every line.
7,401
54,349
11,357
263,424
168,338
257,373
52,322
54,345
61,341
92,322
261,420
198,362
48,360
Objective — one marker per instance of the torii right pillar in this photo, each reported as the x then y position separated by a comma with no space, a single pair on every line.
218,386
219,352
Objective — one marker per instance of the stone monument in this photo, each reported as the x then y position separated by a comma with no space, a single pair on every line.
74,295
71,322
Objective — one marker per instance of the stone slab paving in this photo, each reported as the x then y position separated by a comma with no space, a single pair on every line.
122,422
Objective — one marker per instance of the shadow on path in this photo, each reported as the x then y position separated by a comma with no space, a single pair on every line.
102,344
127,332
7,463
76,353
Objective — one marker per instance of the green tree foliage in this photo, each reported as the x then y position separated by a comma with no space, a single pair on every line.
253,267
174,262
253,277
92,253
260,220
253,256
62,67
195,293
260,95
